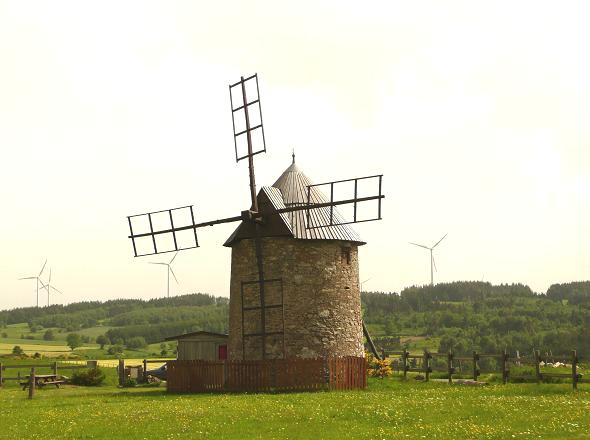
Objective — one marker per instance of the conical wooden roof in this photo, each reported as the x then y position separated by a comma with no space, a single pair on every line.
290,189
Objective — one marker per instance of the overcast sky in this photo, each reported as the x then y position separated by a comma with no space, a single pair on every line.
475,112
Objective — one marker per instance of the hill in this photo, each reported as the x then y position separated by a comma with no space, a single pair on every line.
464,316
468,316
124,322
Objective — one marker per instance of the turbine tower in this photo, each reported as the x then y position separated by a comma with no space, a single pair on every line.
170,271
432,263
38,278
49,288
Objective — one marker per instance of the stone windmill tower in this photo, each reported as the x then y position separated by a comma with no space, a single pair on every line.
294,272
312,299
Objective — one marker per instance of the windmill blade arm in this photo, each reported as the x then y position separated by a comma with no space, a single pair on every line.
419,245
57,290
28,278
434,263
163,264
440,240
173,257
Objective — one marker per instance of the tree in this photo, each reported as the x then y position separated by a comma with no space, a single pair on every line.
102,340
17,350
48,335
74,341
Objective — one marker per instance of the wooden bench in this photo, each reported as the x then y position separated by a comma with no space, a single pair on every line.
42,380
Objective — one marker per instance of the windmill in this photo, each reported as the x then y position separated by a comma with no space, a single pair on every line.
432,263
293,208
49,288
169,271
38,278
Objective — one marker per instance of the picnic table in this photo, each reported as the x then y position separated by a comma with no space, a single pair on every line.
42,380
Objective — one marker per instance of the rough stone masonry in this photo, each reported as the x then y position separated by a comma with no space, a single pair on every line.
317,283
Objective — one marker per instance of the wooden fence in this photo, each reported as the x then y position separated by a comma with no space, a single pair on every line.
55,367
267,375
423,363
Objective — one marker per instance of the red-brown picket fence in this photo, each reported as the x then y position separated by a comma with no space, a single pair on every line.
266,375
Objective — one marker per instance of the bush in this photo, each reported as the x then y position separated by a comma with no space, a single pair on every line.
49,335
17,350
115,349
129,383
136,342
90,378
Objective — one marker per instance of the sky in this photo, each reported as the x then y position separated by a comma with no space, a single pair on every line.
475,112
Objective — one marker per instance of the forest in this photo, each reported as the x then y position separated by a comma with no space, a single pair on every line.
463,316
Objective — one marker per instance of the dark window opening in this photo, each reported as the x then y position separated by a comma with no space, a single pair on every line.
346,255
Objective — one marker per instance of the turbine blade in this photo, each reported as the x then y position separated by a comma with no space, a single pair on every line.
41,271
440,240
420,245
173,257
57,290
172,272
163,264
28,278
43,286
434,262
49,280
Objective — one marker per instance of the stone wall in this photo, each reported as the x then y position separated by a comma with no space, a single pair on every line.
321,311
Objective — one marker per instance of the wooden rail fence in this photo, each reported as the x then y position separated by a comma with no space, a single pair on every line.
423,363
55,367
267,375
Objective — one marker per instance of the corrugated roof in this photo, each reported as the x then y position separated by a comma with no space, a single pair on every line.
290,189
199,333
293,186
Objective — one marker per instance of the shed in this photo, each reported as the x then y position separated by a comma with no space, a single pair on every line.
201,346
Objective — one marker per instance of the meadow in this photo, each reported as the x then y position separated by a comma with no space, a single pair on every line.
389,408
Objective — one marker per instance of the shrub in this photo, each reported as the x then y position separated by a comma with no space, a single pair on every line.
115,349
136,342
129,383
90,378
49,335
17,350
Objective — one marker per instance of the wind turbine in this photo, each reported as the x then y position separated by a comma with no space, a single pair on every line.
363,282
49,287
169,271
432,263
38,280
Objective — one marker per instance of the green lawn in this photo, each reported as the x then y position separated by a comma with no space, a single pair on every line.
388,409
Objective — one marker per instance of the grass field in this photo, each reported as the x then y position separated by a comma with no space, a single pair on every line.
388,409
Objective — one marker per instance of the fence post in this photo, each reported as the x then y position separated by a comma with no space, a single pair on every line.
574,370
1,371
405,363
505,367
32,383
475,369
145,370
450,366
121,372
538,366
426,364
55,368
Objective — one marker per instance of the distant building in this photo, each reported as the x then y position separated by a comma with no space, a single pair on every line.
201,346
